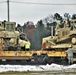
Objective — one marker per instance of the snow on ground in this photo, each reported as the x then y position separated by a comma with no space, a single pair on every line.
21,68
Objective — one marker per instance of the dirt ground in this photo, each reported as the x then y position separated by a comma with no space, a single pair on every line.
38,73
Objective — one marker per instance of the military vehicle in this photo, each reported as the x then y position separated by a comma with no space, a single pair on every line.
13,40
64,39
12,43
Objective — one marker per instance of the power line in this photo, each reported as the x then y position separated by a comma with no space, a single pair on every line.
2,1
36,3
40,3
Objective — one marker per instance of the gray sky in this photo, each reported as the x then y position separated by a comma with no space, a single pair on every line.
21,12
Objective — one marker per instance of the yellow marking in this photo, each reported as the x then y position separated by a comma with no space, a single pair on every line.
57,54
31,53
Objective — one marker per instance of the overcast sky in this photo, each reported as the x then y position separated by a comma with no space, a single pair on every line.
22,12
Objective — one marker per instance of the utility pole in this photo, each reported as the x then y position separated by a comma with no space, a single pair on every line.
8,16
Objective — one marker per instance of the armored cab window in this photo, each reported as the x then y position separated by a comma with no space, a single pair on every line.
73,24
9,27
23,37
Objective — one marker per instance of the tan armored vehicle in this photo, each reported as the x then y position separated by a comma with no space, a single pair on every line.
65,38
13,40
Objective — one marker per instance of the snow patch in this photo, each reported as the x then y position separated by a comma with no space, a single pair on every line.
21,68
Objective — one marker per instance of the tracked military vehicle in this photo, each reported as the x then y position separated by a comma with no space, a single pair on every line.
64,38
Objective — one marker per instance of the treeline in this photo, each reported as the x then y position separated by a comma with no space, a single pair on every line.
45,27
